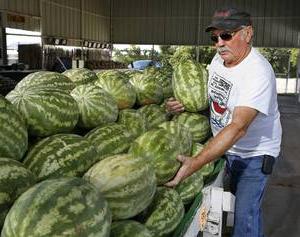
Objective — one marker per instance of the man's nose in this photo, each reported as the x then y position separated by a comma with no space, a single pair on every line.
220,42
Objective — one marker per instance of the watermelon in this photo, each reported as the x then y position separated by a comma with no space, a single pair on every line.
112,74
14,180
96,106
59,207
61,155
207,169
13,131
128,184
164,78
129,228
182,133
192,185
132,73
148,90
81,76
154,115
190,84
165,212
116,83
53,80
110,139
198,125
47,111
134,121
160,149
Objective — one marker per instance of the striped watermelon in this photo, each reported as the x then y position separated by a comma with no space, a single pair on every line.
116,83
13,131
81,76
47,111
198,125
127,183
59,207
165,212
134,121
182,133
110,140
207,169
113,74
160,149
154,114
14,180
132,73
48,79
192,185
96,106
164,78
190,85
61,155
148,90
129,228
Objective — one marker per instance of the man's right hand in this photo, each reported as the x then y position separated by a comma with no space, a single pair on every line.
173,106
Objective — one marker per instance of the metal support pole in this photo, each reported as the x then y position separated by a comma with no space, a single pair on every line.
288,74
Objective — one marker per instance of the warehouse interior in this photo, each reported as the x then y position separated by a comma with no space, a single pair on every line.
91,28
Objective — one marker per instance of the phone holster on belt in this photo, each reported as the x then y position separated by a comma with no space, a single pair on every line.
268,163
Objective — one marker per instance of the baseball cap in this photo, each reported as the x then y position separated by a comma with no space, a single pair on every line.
229,19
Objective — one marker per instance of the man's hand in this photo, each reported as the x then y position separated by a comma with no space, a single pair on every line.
185,170
173,106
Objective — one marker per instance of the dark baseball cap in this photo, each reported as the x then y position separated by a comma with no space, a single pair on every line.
229,19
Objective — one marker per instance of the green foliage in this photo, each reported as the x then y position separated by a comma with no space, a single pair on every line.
206,54
279,59
133,53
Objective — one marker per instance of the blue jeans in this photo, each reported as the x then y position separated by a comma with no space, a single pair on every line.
247,183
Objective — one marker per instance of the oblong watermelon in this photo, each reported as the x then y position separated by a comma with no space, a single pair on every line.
129,228
160,149
110,139
116,83
192,185
61,155
198,125
81,76
134,120
13,131
14,180
128,184
59,207
165,212
182,133
148,90
154,115
207,169
53,80
190,85
96,106
47,111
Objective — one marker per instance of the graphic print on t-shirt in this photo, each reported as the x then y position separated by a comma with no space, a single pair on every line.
219,90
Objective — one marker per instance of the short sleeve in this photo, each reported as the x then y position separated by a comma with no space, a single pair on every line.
255,91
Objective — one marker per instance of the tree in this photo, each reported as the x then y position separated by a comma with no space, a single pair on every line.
134,53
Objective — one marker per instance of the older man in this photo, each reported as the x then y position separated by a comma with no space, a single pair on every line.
245,120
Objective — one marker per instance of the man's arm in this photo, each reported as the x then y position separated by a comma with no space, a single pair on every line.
241,119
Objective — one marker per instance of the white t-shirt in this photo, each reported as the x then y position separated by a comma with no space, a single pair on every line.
251,83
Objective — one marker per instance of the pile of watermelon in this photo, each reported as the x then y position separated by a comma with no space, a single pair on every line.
86,154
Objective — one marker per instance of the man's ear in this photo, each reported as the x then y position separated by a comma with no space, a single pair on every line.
248,34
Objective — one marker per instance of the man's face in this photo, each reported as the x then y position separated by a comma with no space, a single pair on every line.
233,50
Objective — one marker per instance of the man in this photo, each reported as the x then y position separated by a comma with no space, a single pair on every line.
244,117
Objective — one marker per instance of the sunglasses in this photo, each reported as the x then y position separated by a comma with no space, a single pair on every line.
226,36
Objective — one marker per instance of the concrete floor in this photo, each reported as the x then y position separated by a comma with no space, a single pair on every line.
281,204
